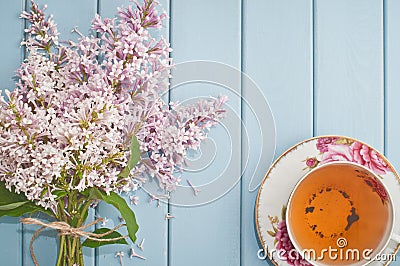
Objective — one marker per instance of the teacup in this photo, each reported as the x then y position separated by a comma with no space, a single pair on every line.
340,213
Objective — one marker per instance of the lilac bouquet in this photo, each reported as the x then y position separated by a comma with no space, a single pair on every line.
87,121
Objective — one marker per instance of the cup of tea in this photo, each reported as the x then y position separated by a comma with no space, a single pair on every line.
340,213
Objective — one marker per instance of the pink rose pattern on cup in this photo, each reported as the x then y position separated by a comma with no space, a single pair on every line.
282,242
378,188
343,149
323,143
311,162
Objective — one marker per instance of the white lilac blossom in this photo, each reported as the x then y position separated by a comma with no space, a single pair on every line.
69,122
196,191
120,255
141,245
133,254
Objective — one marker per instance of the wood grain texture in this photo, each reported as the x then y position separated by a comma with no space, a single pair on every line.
11,28
278,56
392,85
208,234
325,67
151,219
349,69
392,81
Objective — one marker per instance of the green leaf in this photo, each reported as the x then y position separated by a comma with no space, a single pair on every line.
133,158
59,193
84,213
271,233
129,216
120,204
275,229
344,141
11,206
95,244
125,172
283,213
7,197
26,208
135,153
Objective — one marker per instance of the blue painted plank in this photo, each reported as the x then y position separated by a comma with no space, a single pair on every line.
11,28
392,85
349,69
71,14
152,228
278,56
208,234
11,242
67,15
151,220
392,81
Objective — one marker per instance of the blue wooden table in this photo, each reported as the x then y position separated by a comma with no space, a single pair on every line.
325,67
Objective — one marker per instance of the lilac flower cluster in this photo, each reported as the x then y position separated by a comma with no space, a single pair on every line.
70,120
168,134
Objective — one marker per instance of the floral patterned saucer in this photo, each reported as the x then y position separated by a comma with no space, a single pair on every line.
288,169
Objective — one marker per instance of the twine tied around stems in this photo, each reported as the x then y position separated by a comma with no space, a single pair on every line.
65,229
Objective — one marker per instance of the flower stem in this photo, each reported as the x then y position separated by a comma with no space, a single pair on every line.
73,211
83,213
61,252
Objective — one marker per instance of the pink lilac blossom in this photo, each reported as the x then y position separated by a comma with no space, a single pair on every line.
44,31
286,248
70,120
